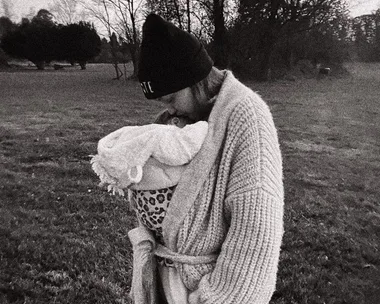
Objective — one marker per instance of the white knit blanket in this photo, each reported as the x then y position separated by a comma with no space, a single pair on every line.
147,157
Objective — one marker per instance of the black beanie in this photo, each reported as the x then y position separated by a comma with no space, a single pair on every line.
170,59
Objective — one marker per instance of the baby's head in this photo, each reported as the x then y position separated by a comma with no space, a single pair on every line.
166,118
179,121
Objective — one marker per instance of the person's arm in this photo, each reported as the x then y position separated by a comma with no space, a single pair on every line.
246,267
245,271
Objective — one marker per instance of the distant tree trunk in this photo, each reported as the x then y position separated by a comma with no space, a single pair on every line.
114,44
82,65
263,71
269,36
134,49
266,50
188,16
39,64
102,10
178,15
118,72
4,63
219,34
134,46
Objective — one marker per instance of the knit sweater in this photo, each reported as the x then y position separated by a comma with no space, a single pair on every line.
229,202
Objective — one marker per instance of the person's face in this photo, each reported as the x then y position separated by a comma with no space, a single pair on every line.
183,103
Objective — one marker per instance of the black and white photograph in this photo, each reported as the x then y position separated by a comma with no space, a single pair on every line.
190,151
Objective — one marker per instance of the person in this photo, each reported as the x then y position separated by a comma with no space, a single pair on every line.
222,231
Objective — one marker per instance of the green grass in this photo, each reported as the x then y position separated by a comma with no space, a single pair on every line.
63,239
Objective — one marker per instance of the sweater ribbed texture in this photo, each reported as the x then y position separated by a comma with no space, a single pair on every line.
234,207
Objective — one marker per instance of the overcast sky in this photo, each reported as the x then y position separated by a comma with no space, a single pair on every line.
23,7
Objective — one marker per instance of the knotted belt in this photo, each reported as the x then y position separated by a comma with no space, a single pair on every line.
143,289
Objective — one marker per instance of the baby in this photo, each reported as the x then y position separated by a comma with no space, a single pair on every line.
148,161
148,157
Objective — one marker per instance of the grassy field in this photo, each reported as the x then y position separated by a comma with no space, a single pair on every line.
63,239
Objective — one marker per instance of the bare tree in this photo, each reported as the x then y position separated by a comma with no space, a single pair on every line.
123,18
179,12
220,42
214,18
67,11
206,19
188,7
128,14
261,24
102,10
202,21
171,10
366,30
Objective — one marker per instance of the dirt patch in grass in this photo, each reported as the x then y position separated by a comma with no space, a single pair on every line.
63,239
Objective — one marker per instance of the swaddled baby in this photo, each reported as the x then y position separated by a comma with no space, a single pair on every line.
149,160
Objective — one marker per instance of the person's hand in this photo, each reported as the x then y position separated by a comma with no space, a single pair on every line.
194,297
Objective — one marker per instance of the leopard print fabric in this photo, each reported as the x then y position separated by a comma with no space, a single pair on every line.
151,206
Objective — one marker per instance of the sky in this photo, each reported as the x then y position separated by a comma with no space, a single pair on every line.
22,7
361,7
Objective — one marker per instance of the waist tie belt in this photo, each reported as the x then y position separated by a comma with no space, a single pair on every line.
143,289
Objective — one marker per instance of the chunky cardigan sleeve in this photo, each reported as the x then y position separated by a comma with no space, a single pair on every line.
245,271
246,267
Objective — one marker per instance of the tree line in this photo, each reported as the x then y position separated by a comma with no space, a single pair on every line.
260,39
40,40
366,29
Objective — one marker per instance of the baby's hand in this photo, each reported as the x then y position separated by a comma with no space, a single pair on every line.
175,121
180,122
